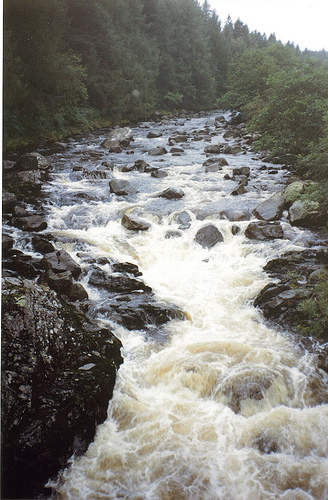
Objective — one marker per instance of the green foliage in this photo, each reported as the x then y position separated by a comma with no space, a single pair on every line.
315,311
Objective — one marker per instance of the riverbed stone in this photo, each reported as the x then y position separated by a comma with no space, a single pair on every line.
272,208
60,262
158,151
121,187
30,223
213,149
263,230
208,236
118,137
32,161
306,213
134,223
172,193
9,201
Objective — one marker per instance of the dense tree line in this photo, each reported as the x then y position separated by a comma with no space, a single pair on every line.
70,65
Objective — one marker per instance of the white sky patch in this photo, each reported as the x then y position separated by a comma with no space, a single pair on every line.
303,22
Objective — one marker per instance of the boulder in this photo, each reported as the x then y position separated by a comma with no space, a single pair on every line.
159,151
222,162
213,149
172,194
32,161
143,166
121,187
240,189
293,192
306,214
118,137
263,230
177,138
114,283
60,262
208,236
159,173
51,403
30,223
272,208
133,222
184,219
7,244
154,134
42,245
241,171
9,201
60,282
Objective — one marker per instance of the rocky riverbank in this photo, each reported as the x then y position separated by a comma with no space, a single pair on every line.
59,362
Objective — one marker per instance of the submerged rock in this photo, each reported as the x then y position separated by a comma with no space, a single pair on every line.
121,187
134,223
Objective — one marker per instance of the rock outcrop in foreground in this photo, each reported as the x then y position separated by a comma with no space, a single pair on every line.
58,375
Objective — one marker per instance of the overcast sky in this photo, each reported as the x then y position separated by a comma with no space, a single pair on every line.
304,22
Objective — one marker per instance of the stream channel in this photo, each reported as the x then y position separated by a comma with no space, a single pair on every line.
217,405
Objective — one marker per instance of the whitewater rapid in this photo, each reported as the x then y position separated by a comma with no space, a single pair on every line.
218,406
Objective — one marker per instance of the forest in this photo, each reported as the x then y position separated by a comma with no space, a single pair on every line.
76,65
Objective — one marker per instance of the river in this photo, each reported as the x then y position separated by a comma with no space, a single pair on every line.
218,406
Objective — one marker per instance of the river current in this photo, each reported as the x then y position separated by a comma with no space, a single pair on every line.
218,406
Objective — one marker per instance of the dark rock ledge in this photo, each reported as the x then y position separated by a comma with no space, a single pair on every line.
294,279
58,374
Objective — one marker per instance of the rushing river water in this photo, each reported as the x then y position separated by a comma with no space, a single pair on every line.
217,406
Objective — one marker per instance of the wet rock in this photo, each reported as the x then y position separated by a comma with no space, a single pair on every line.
50,408
9,201
251,386
184,219
231,134
121,187
175,150
208,236
77,292
172,234
213,149
142,166
42,245
240,189
263,230
222,162
241,171
118,137
7,244
177,138
272,208
22,264
30,223
159,151
154,134
113,283
159,173
235,229
32,161
306,214
60,282
60,262
126,267
172,194
133,222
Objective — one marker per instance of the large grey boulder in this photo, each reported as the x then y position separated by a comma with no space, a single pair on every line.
208,236
159,151
272,208
213,149
30,223
118,137
306,213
